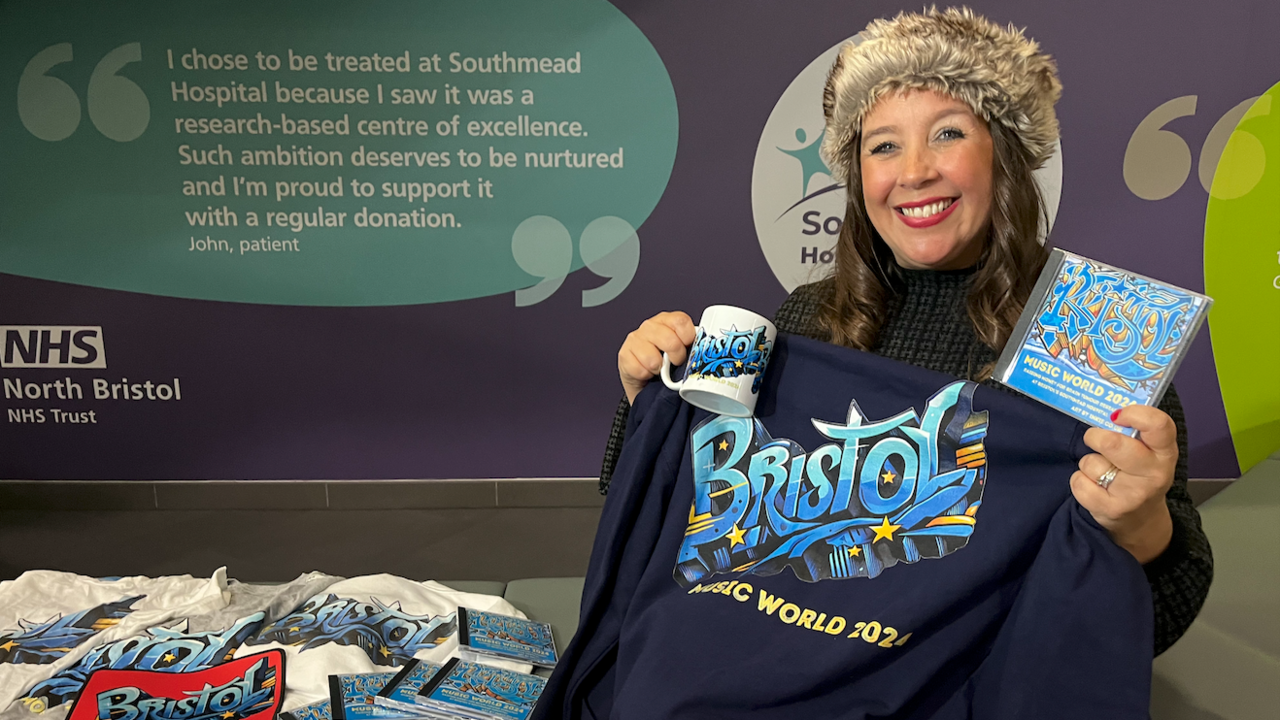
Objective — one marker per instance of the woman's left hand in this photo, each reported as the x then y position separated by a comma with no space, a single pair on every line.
1132,508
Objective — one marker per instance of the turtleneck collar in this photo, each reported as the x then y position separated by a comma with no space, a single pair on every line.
936,278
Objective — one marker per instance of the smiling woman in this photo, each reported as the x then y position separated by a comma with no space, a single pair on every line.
906,130
935,123
926,179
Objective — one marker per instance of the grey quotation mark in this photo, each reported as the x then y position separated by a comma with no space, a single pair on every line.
542,247
50,109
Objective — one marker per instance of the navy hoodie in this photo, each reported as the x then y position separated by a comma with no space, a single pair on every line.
880,541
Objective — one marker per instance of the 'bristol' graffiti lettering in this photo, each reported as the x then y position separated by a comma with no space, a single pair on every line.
888,491
732,353
386,633
1122,327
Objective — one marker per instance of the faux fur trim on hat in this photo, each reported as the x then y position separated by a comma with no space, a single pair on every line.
998,72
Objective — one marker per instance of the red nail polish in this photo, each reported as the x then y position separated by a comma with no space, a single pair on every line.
1115,414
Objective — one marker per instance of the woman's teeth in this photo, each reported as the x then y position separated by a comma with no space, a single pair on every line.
925,211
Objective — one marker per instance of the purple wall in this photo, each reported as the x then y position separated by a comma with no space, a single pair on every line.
483,389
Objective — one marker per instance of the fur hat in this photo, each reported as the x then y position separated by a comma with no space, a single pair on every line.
998,72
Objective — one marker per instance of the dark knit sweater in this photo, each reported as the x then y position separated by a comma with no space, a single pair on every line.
928,326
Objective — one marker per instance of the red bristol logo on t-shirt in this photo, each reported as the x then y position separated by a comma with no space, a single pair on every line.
250,688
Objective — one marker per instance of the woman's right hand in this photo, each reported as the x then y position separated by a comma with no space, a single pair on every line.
641,355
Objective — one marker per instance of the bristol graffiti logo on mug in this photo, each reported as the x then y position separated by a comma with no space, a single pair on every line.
727,361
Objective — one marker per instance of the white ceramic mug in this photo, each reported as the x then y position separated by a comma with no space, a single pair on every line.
727,361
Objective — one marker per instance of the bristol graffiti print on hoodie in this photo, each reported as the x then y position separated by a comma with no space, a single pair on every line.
885,491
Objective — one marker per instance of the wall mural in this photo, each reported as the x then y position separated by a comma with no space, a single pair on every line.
403,240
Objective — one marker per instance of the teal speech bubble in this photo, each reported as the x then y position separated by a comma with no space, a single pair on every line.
329,153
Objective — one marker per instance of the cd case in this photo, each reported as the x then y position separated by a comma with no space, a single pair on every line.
351,696
483,634
482,692
314,711
1094,338
400,693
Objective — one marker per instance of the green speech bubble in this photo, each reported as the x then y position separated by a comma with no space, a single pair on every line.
1242,274
150,137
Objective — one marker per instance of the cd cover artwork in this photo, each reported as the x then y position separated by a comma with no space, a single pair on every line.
351,696
480,691
483,634
1094,338
401,691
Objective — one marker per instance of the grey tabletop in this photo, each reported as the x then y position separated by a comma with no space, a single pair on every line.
1227,666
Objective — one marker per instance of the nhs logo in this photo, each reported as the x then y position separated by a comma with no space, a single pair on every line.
52,346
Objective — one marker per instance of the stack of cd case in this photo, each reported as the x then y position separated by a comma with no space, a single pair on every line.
485,635
401,692
471,691
351,696
314,711
1094,338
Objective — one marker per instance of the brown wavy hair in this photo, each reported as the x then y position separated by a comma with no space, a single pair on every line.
866,276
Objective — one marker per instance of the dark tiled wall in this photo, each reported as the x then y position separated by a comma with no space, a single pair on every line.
263,531
98,495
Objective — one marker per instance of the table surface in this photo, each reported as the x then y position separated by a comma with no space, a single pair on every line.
1227,666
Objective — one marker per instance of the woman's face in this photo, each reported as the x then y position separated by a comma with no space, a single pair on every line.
926,164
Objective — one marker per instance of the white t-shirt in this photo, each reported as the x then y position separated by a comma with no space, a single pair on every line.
49,620
373,623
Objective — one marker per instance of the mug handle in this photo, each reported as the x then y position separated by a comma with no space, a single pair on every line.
666,374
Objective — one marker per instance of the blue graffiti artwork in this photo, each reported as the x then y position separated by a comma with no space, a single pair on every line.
502,627
730,354
358,691
889,491
1113,325
386,633
165,649
315,711
43,643
495,683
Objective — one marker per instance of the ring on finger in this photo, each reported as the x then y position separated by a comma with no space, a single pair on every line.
1105,479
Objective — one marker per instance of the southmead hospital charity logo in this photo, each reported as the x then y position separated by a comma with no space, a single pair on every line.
797,206
885,491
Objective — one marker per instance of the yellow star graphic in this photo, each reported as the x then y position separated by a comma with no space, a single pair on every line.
385,652
228,714
855,551
884,530
737,537
169,657
724,445
292,629
888,477
737,363
9,645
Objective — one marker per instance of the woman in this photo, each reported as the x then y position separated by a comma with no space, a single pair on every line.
935,123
